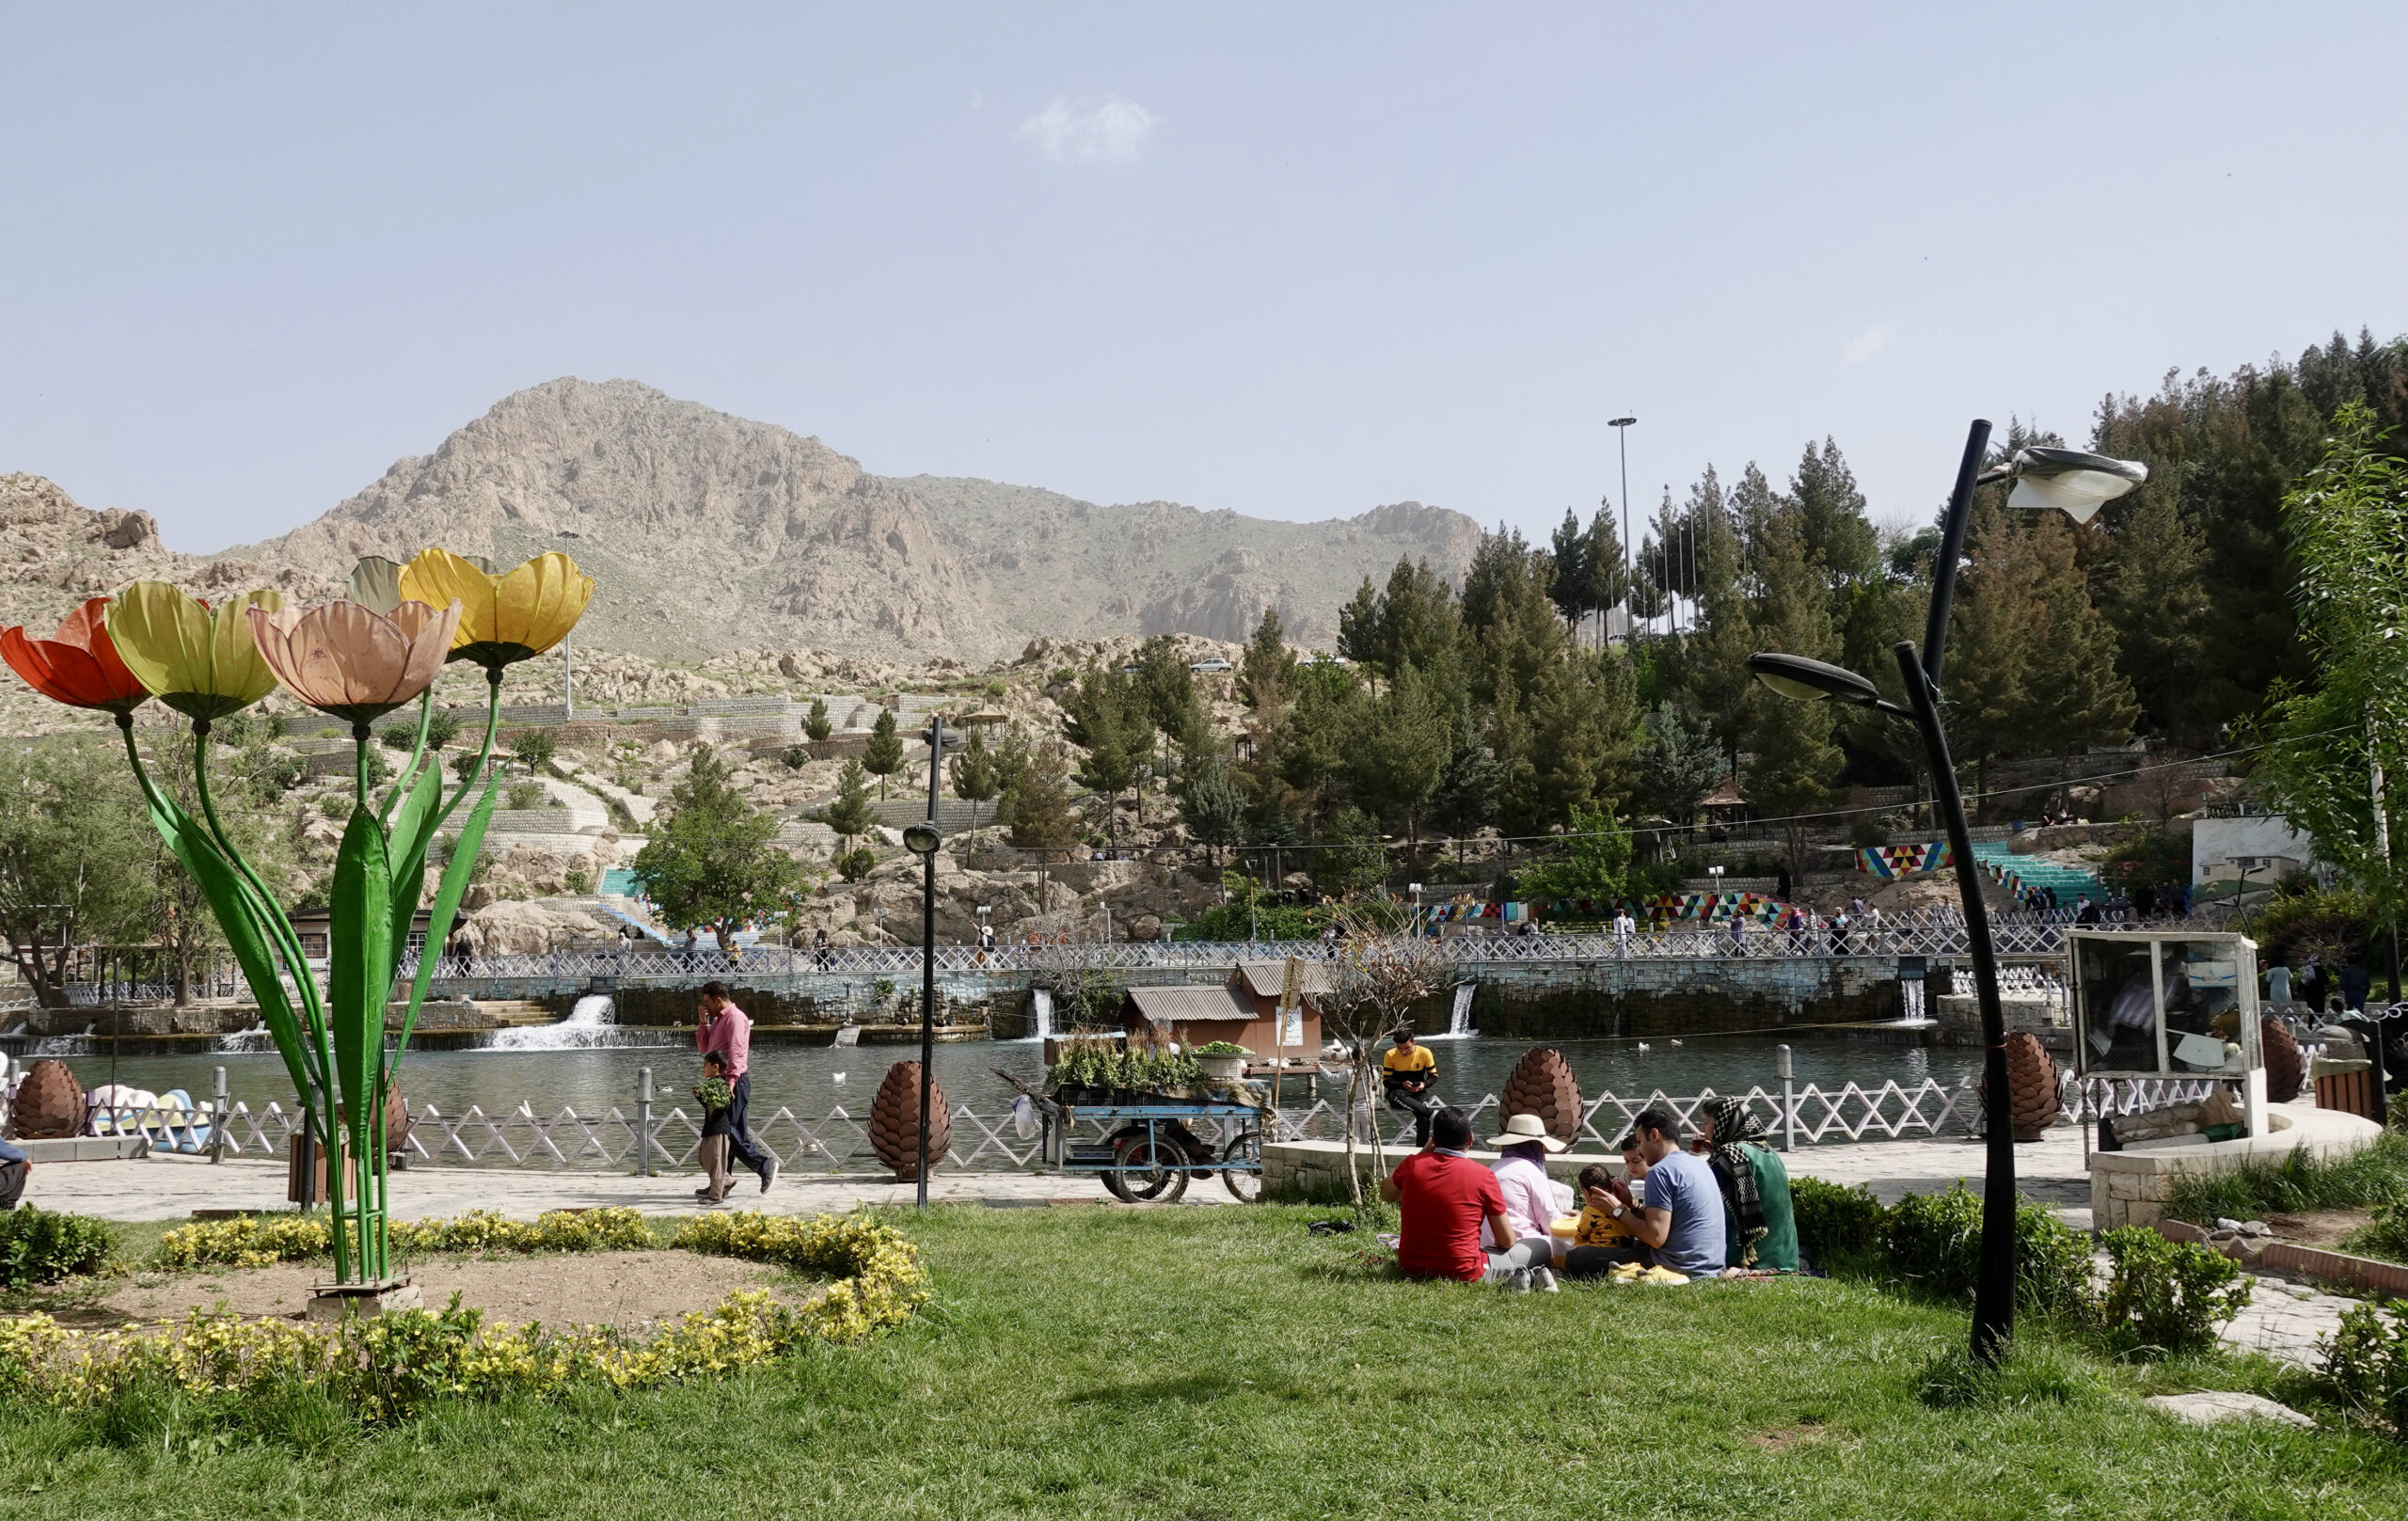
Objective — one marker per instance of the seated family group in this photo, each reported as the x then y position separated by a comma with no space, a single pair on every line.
1677,1214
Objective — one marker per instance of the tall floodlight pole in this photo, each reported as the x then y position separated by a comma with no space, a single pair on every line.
923,841
1620,427
2078,484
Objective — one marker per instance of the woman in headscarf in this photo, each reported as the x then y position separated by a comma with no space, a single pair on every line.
1759,1231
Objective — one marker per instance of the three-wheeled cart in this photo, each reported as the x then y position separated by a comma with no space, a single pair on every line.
1145,1151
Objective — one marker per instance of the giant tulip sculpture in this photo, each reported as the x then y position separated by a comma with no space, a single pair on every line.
356,659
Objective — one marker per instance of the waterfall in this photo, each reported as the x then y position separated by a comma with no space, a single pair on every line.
1459,1020
1042,1012
587,1026
255,1039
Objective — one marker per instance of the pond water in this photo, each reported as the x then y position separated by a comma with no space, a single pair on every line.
816,1079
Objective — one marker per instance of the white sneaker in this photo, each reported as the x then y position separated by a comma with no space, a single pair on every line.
1542,1280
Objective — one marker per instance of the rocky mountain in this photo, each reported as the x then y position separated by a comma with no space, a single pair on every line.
711,533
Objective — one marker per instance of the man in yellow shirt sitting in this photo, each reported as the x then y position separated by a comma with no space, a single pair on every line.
1408,1070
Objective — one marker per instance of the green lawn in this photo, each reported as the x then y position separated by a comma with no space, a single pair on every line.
1222,1362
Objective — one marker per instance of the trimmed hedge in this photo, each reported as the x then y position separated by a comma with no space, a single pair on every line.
41,1246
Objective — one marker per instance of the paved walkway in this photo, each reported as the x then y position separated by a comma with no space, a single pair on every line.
172,1188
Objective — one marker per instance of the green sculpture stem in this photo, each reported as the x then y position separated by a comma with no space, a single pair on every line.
360,737
467,784
279,928
418,753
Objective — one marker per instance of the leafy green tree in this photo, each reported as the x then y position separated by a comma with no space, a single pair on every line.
1011,764
851,815
1040,814
534,748
882,756
1570,589
1350,855
816,725
974,769
73,869
1605,571
442,727
1313,745
1679,764
1593,862
1840,540
2339,745
713,862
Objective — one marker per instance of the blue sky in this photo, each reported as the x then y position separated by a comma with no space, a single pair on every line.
1293,261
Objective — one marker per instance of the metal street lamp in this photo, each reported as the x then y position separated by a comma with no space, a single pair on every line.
2076,483
922,840
1620,427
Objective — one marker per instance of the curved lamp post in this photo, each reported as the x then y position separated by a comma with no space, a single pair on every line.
922,840
2076,484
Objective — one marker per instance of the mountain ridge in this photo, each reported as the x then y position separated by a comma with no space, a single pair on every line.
709,532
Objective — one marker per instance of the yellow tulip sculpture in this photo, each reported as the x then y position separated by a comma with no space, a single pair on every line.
506,618
357,658
197,659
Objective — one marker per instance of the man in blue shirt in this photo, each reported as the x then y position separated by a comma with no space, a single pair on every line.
1682,1220
13,1167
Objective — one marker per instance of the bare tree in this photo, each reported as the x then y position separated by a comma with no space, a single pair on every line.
1377,976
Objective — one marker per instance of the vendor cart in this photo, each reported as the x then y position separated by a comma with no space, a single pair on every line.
1145,1151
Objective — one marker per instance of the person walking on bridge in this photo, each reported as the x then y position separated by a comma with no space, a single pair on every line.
721,1026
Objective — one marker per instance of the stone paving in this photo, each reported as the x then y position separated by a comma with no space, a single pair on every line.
2284,1320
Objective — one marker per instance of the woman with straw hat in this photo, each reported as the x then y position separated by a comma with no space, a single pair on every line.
1532,1199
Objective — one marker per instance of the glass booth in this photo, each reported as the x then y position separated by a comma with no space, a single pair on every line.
2175,1005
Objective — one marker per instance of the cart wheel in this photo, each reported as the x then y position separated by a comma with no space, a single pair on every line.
1117,1185
1243,1184
1157,1169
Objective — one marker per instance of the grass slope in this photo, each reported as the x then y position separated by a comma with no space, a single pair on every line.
1221,1362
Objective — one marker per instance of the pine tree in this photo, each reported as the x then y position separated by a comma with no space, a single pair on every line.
1398,750
1679,764
883,755
1571,591
1267,669
1040,814
816,725
1107,718
974,769
1840,540
851,815
1792,762
1609,574
1466,798
1358,624
1210,807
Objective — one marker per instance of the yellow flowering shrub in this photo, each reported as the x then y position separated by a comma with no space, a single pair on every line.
384,1368
261,1241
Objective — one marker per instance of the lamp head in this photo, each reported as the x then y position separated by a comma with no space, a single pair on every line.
2073,481
921,839
1619,422
1812,681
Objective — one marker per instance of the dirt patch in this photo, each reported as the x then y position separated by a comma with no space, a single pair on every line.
2318,1228
632,1290
1781,1439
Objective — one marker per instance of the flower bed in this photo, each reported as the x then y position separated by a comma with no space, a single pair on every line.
383,1369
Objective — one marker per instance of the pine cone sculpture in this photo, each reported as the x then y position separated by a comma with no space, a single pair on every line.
50,1102
895,1121
1543,1085
2286,1067
2031,1087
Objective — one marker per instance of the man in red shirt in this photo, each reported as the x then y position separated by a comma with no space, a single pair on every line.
721,1026
1443,1196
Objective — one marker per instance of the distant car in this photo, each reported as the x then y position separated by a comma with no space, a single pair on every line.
1213,667
1328,659
1131,668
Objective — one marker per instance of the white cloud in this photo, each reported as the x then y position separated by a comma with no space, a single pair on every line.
1868,343
1114,131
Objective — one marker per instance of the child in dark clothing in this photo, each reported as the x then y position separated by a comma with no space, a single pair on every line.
718,1098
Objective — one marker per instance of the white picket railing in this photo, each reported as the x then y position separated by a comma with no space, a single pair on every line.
1931,938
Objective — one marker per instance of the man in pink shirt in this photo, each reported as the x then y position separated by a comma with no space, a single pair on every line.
721,1026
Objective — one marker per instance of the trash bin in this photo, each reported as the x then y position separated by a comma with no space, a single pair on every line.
2345,1085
